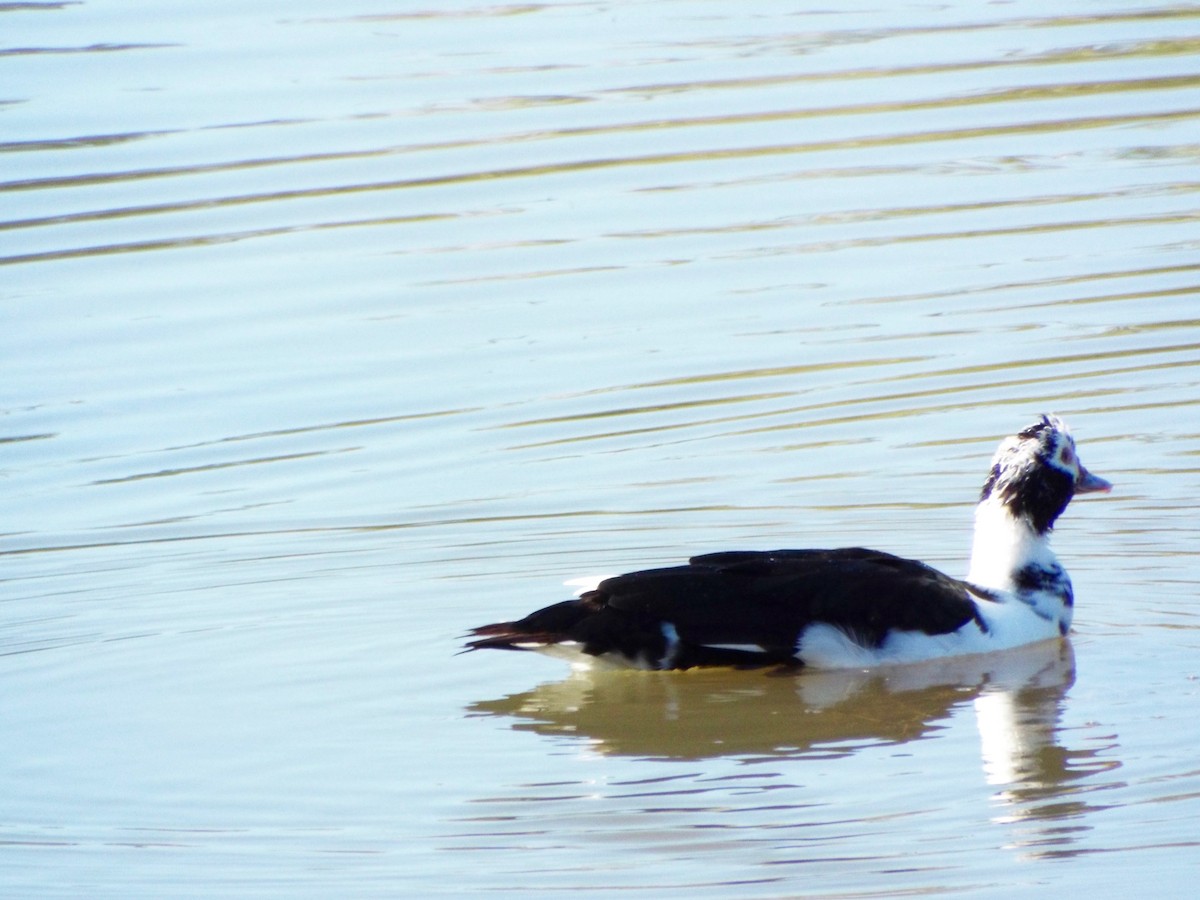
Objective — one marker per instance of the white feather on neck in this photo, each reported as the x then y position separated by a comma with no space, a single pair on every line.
1004,545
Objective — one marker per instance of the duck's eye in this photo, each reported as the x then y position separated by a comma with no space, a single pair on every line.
1067,456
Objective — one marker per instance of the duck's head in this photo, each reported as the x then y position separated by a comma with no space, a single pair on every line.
1035,474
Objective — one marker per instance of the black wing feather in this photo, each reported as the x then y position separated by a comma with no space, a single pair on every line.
760,598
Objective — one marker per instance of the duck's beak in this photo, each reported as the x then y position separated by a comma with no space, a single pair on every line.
1087,483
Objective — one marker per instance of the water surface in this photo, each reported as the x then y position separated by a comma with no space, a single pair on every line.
333,332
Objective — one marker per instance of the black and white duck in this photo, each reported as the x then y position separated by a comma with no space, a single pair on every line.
844,608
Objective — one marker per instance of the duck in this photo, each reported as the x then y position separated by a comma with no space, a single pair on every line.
843,608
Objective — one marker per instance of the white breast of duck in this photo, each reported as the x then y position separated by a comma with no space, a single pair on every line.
842,608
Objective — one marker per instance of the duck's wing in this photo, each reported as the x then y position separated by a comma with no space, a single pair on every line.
744,607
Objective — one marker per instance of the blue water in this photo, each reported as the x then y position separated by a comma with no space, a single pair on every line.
330,333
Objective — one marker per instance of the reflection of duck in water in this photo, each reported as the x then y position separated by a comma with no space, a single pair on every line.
844,608
712,713
1018,700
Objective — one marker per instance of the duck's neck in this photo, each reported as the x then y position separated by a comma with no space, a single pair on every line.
1011,556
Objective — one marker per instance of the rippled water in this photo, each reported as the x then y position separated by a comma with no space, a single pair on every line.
333,330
